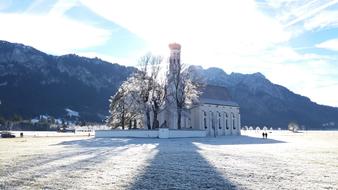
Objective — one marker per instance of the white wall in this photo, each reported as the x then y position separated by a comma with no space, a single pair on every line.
186,133
126,133
150,133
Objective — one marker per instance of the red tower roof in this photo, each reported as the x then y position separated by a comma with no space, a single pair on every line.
175,46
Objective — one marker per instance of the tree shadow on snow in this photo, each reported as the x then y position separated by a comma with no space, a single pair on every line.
178,163
237,140
118,142
27,173
108,142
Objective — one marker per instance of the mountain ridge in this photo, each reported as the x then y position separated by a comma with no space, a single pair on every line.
265,103
55,83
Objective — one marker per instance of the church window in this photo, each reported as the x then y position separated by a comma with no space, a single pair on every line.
233,121
212,120
226,121
219,120
205,119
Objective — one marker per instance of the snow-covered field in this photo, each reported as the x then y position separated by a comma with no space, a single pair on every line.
284,161
50,134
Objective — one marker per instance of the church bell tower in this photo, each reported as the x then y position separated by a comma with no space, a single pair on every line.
175,58
169,115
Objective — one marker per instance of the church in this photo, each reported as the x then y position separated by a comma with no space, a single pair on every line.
215,112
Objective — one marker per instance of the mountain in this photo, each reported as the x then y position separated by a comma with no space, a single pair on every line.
264,103
34,83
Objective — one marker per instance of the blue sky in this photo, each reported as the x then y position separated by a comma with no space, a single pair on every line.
294,43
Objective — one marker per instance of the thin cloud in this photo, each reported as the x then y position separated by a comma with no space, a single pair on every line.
325,19
202,27
291,12
329,44
311,12
54,34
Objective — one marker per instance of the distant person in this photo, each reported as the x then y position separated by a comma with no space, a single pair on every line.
263,134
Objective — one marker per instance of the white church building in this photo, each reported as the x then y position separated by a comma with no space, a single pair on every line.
215,113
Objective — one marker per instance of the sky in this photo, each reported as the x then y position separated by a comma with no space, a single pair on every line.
294,43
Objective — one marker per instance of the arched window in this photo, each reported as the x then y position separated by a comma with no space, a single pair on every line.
212,120
219,120
233,121
226,121
205,120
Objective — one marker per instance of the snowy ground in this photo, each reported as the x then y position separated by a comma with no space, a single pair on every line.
284,161
51,134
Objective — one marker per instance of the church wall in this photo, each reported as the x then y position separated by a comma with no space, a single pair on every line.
196,123
217,119
170,116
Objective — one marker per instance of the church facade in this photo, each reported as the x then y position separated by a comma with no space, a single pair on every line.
215,112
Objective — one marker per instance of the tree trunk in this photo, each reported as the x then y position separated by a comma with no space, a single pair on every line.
123,118
155,121
122,121
148,119
130,124
179,114
135,124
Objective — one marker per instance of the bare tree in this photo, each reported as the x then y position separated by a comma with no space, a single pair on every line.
180,90
157,92
144,84
151,89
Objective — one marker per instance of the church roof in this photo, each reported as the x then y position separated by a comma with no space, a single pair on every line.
216,95
218,102
175,46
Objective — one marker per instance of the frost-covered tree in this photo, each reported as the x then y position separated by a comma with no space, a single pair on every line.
117,110
293,126
142,93
123,107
